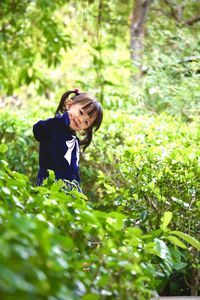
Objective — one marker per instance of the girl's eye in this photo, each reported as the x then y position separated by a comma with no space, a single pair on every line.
81,112
86,123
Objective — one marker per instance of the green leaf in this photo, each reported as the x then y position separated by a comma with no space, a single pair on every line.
164,253
3,148
179,266
176,241
176,255
110,189
166,220
90,297
186,237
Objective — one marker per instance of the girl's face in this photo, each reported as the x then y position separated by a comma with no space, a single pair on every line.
79,119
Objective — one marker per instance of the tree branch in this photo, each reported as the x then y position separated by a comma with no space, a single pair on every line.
192,20
177,14
189,59
173,12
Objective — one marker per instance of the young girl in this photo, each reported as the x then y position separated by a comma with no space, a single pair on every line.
59,145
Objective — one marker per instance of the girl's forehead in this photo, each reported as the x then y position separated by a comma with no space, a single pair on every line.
89,107
77,106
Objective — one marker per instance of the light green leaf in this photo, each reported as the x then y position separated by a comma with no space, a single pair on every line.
166,220
176,241
186,237
110,189
90,297
3,148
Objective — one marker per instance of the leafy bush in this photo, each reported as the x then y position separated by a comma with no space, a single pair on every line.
137,166
16,133
54,245
149,165
31,34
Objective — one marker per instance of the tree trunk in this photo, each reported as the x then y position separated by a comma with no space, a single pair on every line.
195,274
140,11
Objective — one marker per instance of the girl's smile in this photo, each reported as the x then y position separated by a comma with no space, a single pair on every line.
79,119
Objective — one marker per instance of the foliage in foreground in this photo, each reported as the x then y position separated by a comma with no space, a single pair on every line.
148,165
55,246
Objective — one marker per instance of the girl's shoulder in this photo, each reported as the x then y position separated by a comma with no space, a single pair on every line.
63,118
63,115
57,115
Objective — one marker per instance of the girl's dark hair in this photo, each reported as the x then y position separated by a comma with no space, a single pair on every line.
90,105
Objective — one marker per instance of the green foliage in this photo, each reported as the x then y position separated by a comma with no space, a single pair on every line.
55,245
171,81
141,176
41,49
30,31
16,133
149,165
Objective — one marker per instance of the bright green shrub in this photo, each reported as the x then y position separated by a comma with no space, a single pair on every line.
55,246
16,133
149,165
138,166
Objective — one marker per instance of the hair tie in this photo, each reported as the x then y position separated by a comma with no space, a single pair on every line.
77,91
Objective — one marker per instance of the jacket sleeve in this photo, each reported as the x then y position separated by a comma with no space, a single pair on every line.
43,130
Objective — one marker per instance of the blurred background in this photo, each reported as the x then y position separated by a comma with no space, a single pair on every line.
135,55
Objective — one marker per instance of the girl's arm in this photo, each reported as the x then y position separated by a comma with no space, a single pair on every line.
43,130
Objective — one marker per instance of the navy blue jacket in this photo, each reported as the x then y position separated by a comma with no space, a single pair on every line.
59,148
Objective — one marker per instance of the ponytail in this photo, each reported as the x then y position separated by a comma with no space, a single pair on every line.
60,108
87,140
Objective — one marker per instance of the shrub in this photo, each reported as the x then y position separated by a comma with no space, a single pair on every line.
54,245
